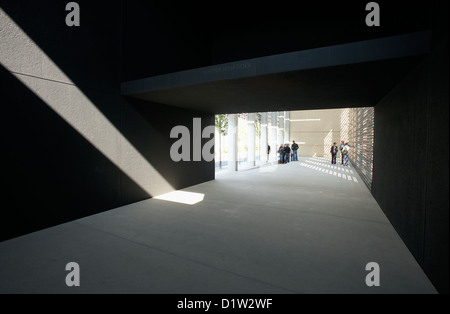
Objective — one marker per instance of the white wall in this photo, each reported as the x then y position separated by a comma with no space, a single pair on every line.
315,130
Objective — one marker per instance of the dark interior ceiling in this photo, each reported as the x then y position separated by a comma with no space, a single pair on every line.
170,36
355,85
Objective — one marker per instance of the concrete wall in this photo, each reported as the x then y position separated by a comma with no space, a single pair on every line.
411,160
315,138
71,145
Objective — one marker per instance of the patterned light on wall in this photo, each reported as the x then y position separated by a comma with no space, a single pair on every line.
345,124
327,143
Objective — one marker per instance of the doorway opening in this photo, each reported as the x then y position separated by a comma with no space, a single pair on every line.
251,140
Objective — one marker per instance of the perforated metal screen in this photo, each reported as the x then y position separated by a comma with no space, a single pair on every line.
361,133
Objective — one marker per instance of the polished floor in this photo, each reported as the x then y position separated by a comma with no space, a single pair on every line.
304,227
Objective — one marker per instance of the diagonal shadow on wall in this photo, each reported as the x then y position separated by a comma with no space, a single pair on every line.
63,174
50,173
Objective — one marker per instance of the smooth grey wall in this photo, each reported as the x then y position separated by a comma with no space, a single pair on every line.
71,145
411,159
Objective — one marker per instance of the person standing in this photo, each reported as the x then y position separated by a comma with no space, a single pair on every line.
345,152
341,148
334,151
281,152
268,152
294,151
287,153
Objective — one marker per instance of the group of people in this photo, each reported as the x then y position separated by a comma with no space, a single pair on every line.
288,153
344,149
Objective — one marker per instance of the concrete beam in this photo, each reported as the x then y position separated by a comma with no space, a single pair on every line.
358,52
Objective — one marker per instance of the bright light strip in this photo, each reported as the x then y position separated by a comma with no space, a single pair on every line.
74,107
188,198
304,120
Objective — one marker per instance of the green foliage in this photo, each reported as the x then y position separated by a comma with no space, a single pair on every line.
222,123
258,124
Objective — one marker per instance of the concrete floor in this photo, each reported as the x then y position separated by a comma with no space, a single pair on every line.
277,229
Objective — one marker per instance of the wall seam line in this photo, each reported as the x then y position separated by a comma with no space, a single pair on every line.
81,87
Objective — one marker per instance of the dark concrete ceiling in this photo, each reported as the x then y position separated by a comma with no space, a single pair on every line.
353,75
360,85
